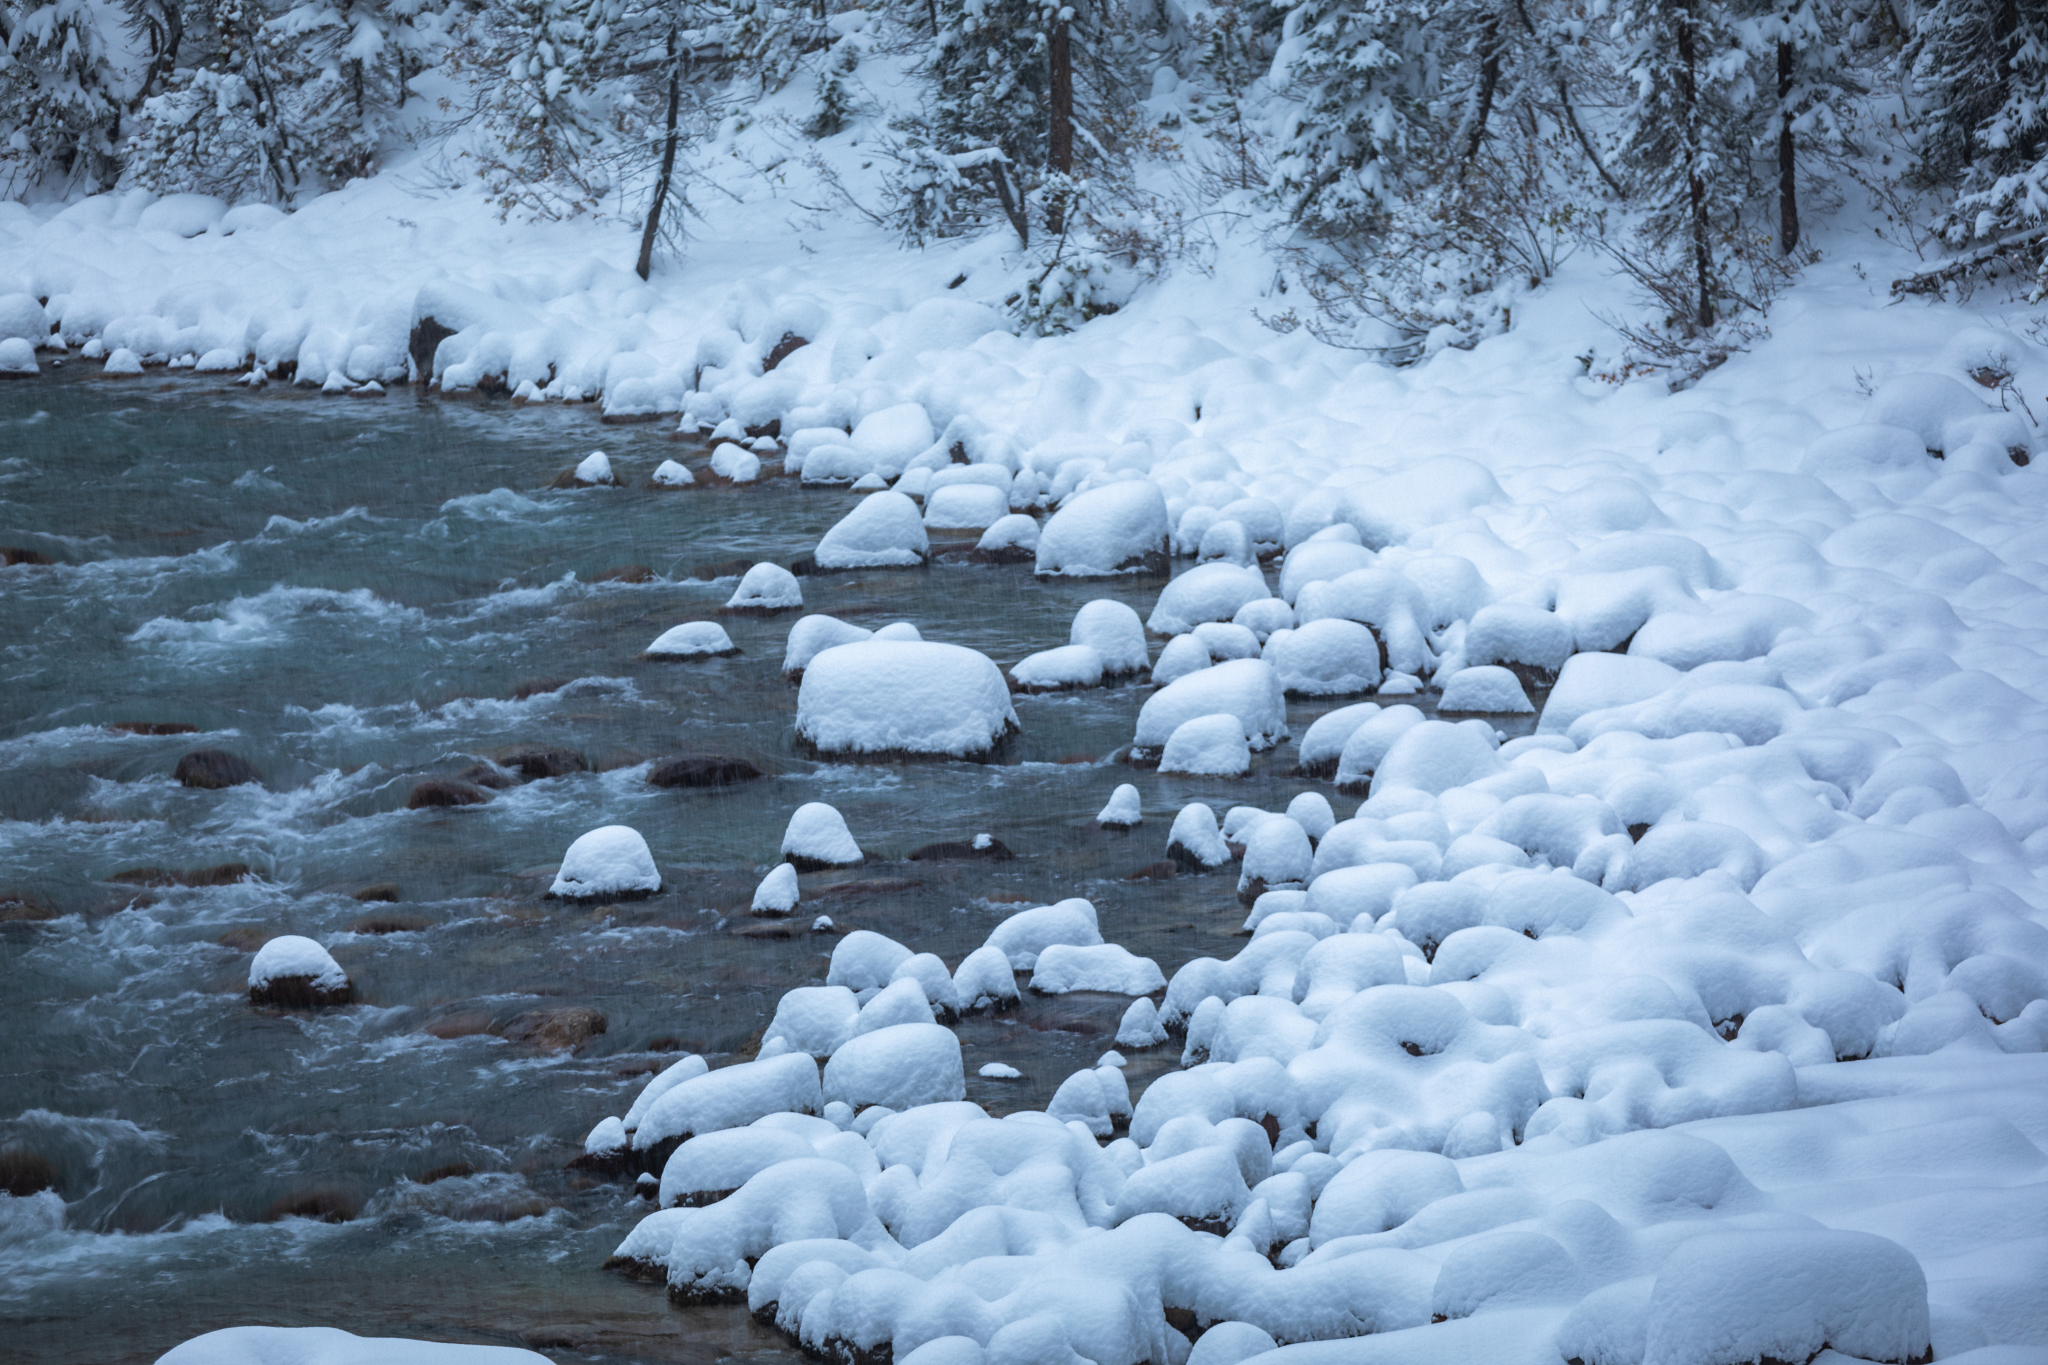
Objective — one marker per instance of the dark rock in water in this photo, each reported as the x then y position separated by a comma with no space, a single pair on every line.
1002,554
765,929
435,793
154,727
244,938
20,908
664,1044
24,1173
222,874
778,353
562,1029
500,1208
983,849
626,573
301,993
389,924
1154,872
466,1024
724,568
881,886
702,770
213,769
771,427
537,761
15,554
322,1206
426,338
378,891
536,687
1637,831
486,775
454,1170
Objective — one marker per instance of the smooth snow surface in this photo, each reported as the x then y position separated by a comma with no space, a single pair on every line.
811,634
332,1346
1114,632
1059,670
612,861
1105,530
290,955
17,357
1245,688
903,697
1207,746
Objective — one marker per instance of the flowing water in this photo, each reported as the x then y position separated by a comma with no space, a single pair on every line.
355,596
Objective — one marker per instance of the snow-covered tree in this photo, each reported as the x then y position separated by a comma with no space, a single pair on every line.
991,78
348,62
1686,146
1980,68
60,103
548,99
224,125
1806,76
1368,71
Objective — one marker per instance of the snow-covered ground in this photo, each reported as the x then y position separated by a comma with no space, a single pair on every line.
1703,1025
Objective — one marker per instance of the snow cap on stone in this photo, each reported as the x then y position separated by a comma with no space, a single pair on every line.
610,861
777,893
818,836
691,640
904,697
884,531
767,587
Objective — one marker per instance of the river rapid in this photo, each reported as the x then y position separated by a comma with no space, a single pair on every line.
359,595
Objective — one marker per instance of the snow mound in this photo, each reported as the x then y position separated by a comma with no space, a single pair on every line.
735,464
777,893
1207,746
291,969
1207,592
1065,669
1195,841
1327,658
884,531
692,640
1114,632
594,471
881,697
900,1067
812,635
1516,633
332,1346
1012,538
965,507
17,357
1184,654
817,838
23,318
1028,933
1485,690
122,362
1246,688
767,588
672,474
1122,810
1064,967
610,863
1118,528
730,1097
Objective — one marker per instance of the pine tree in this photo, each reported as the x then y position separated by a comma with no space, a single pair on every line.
225,125
550,104
992,79
1981,69
60,109
1684,144
348,62
1806,77
1370,70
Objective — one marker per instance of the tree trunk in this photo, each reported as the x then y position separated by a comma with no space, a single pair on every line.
1059,142
1489,81
1012,210
1696,187
668,163
1788,186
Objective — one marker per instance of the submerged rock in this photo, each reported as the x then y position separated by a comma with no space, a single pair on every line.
25,1173
213,769
378,891
150,727
436,793
320,1206
536,761
983,847
294,972
561,1029
702,770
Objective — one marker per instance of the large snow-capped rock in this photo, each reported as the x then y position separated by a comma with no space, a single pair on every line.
1207,592
898,1066
692,640
1065,669
904,697
296,972
817,838
885,532
611,862
814,634
1118,528
1246,688
1114,632
1207,746
1327,658
766,589
332,1346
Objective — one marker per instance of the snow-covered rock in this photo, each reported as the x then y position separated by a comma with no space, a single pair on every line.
735,463
1183,654
1324,743
1064,967
1121,811
900,1067
122,362
766,589
817,838
1114,632
965,507
610,863
332,1346
1195,841
1028,933
1012,539
813,634
1516,633
884,531
1208,592
23,318
1276,855
1116,528
1207,746
1327,658
692,640
594,471
1064,669
1487,690
1246,688
813,1020
295,972
17,357
672,474
882,697
777,893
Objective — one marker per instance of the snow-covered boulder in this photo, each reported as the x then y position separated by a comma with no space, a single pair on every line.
900,1067
693,640
593,471
1195,841
884,531
1328,658
812,1019
984,980
1487,690
1122,809
1012,539
1207,746
1276,856
766,589
1207,592
1515,633
1311,810
610,863
23,318
777,893
1324,743
1028,933
865,961
817,838
1112,630
122,363
1140,1026
1110,967
883,697
17,358
730,1097
965,507
735,463
814,634
1066,669
672,474
1438,755
1119,527
294,972
332,1346
1368,744
1183,655
1246,688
